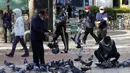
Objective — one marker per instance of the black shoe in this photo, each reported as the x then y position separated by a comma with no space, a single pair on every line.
9,55
73,39
65,50
78,46
25,55
77,59
5,42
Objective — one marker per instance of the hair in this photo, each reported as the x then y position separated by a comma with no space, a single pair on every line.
107,39
42,12
5,11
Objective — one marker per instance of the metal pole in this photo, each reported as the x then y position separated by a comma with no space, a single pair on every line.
83,4
8,4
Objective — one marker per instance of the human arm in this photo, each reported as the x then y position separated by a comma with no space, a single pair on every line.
114,48
100,49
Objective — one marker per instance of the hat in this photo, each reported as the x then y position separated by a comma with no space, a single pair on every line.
101,7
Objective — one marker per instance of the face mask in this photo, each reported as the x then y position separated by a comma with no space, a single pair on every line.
86,10
101,11
106,44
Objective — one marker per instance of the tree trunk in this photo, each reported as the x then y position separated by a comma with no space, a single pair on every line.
31,8
31,14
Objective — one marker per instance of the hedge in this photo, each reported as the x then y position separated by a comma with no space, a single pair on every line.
111,11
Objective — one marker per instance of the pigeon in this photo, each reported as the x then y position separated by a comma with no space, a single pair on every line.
2,70
91,58
30,66
22,71
119,65
85,68
42,69
125,64
14,68
25,62
9,64
70,62
86,63
47,69
36,68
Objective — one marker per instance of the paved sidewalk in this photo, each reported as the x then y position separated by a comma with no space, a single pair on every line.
122,42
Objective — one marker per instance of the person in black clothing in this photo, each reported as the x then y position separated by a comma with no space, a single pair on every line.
80,14
6,17
69,10
61,30
89,25
38,32
107,49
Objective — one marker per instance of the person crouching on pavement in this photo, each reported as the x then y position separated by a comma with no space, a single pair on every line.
19,34
107,50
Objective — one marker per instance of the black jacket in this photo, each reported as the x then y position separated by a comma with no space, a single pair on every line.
38,29
104,50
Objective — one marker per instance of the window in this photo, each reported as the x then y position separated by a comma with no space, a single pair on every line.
125,2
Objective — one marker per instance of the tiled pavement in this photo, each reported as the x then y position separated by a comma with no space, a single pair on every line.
123,45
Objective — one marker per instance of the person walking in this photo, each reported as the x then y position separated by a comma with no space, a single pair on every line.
89,25
6,17
38,32
102,17
19,34
69,10
61,30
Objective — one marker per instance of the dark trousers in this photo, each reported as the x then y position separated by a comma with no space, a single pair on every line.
15,42
101,34
38,52
5,34
77,38
58,33
110,55
87,31
69,15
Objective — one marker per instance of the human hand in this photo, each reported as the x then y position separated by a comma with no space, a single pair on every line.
47,34
12,33
105,18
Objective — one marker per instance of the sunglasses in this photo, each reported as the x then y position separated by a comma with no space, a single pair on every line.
101,9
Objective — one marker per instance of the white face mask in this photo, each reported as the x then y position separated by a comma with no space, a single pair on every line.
101,11
86,10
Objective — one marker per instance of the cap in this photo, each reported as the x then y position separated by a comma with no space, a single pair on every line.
87,7
101,7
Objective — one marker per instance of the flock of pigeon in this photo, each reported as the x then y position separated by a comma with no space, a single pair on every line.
59,66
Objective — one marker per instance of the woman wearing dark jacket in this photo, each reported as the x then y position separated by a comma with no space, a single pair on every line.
6,17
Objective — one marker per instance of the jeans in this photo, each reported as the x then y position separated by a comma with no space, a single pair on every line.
5,34
15,42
